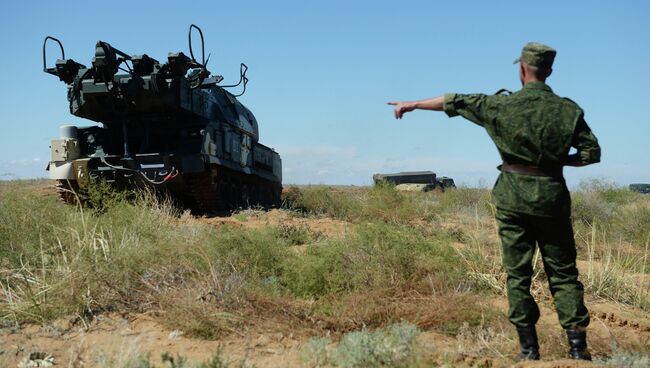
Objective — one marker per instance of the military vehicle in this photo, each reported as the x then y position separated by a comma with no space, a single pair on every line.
416,180
171,126
640,188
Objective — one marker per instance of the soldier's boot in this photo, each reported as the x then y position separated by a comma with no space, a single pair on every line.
578,344
528,342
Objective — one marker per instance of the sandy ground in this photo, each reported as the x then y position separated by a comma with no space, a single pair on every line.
118,336
321,226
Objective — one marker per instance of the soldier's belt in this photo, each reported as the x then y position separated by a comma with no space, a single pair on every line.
530,170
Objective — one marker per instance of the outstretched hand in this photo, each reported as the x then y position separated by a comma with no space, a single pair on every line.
401,108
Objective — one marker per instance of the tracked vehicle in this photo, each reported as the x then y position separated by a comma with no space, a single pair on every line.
172,126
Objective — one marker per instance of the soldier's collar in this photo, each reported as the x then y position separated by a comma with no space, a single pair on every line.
538,85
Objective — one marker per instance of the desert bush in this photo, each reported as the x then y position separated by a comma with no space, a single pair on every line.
393,346
598,201
483,340
385,204
318,200
297,234
612,228
99,195
64,260
315,351
633,222
623,359
61,260
473,201
380,203
481,257
377,255
130,357
614,269
134,358
607,191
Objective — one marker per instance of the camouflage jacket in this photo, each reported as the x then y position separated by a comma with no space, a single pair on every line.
535,127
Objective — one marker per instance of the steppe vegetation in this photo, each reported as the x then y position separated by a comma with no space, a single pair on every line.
409,266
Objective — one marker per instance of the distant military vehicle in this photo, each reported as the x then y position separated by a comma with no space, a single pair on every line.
423,180
641,188
168,125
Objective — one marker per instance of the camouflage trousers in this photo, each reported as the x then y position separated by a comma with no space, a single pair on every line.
520,233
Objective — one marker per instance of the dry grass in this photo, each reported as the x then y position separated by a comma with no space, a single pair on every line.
431,259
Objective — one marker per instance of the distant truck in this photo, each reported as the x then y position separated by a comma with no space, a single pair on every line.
640,188
416,180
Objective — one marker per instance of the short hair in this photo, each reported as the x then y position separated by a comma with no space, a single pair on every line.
539,73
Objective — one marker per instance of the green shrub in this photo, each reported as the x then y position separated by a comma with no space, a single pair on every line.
622,359
393,346
380,203
101,195
135,359
473,200
633,223
598,200
60,260
377,255
315,352
607,191
617,212
217,361
296,234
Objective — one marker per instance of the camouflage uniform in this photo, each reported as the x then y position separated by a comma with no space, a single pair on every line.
534,127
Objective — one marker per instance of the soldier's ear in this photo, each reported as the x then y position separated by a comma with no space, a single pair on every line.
550,71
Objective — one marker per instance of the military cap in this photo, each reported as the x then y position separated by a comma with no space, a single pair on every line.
537,54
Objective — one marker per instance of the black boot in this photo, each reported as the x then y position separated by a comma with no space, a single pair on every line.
578,344
528,342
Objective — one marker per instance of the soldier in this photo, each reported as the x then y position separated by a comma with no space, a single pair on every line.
533,130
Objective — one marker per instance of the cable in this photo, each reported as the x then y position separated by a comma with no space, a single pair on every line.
173,174
243,68
244,89
242,75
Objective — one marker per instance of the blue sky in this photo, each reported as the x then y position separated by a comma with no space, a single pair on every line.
321,72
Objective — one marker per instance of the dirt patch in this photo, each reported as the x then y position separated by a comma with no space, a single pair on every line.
613,326
112,336
614,320
555,364
253,219
280,331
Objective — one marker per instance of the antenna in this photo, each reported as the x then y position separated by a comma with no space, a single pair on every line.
189,38
60,46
